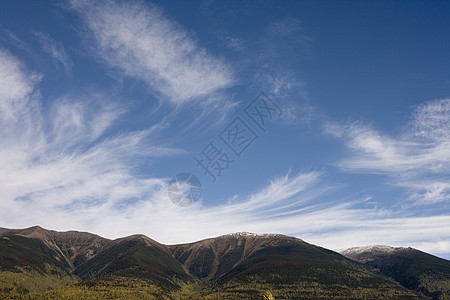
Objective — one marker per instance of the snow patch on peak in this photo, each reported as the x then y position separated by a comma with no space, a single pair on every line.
368,249
250,234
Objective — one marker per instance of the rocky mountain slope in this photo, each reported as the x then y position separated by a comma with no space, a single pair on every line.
414,269
50,264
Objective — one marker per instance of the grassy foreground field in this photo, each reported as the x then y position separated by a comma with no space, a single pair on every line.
29,285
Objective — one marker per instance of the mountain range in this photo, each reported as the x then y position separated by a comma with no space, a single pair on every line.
36,263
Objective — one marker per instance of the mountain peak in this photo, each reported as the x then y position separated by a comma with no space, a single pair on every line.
34,232
35,227
244,234
139,237
368,249
365,254
233,264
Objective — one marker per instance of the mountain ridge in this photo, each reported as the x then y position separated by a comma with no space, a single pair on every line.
414,269
240,264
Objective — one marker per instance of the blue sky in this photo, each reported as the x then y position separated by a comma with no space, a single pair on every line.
102,103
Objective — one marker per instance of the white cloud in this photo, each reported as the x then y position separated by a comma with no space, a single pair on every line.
16,86
437,246
10,38
73,119
283,45
424,233
54,49
142,42
76,181
431,121
286,38
231,42
289,205
289,93
234,43
66,173
64,162
419,160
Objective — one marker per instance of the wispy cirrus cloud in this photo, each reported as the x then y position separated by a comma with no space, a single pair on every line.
10,38
63,173
419,160
362,228
140,41
431,121
54,49
60,158
284,38
291,95
284,44
16,86
233,43
290,204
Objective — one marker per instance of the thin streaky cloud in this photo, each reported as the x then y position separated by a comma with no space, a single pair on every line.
285,37
335,225
54,49
143,43
10,38
91,151
16,86
431,121
65,161
419,160
87,190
